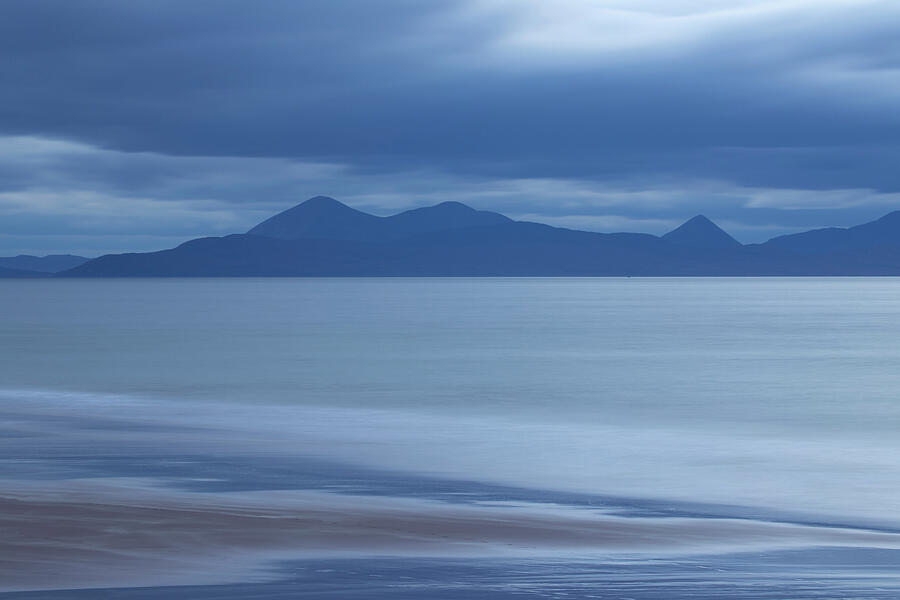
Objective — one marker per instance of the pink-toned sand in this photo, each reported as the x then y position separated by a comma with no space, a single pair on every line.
87,536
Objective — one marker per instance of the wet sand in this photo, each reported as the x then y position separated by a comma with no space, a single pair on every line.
64,535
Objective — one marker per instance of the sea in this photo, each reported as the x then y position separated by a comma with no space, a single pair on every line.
693,437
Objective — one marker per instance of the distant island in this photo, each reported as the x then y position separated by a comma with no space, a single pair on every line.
26,265
325,238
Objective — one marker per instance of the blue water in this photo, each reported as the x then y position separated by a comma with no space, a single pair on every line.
772,399
810,575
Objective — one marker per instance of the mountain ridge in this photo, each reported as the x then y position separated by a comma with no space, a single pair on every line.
6,273
326,218
324,237
883,230
52,263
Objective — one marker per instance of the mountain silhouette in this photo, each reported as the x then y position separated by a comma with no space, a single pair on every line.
440,217
326,218
700,232
881,232
512,249
319,217
323,237
52,263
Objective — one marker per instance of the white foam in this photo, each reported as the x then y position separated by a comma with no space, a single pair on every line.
817,476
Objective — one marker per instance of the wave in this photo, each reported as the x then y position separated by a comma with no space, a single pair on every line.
718,473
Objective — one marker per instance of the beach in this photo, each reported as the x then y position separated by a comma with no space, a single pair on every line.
88,534
312,448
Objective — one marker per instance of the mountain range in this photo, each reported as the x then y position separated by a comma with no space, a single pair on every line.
323,237
26,265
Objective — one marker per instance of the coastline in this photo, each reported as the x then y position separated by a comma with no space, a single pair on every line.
216,436
93,534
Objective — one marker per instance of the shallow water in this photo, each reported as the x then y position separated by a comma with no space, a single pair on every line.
761,399
819,575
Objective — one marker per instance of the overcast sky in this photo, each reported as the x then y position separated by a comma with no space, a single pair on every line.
138,124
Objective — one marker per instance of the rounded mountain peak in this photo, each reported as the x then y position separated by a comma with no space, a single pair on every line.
320,203
453,205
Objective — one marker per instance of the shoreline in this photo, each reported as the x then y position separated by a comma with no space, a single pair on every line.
84,534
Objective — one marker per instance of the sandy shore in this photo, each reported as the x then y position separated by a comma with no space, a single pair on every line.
68,535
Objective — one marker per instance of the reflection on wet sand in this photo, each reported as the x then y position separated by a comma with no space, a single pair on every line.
90,534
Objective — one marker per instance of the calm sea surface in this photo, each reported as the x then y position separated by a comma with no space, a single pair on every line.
766,396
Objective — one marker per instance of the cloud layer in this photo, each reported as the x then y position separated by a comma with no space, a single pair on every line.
165,119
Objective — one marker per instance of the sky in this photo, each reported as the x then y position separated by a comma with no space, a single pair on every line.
134,126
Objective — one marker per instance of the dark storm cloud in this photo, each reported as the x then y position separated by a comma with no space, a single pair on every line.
636,110
199,77
396,83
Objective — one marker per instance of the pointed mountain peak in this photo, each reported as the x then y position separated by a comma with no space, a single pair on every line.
318,217
702,220
700,232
